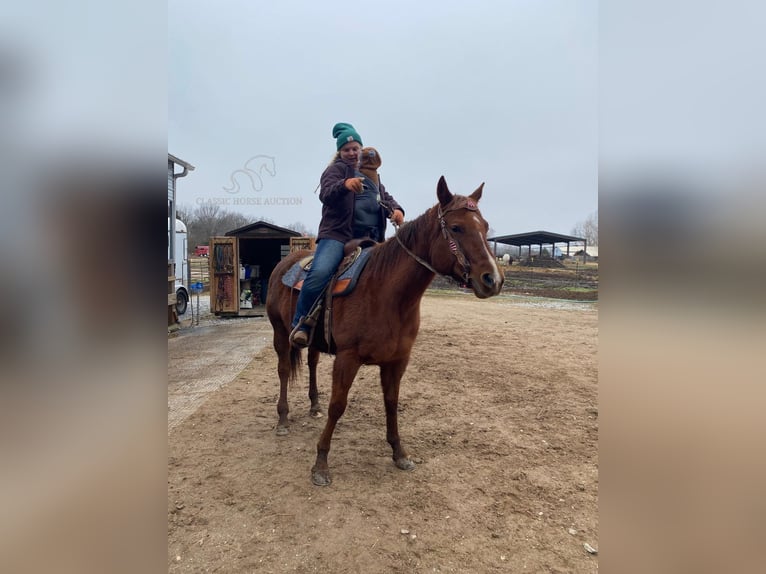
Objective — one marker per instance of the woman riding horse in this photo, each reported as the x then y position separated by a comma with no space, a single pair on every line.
377,323
350,210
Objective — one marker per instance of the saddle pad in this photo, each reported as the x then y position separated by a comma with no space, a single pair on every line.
344,283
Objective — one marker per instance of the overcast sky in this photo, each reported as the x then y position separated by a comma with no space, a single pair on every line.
498,92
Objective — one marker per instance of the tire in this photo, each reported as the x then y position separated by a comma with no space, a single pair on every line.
182,301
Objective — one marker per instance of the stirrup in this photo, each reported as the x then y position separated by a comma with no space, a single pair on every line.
312,318
297,337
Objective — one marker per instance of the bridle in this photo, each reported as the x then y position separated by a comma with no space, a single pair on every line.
461,203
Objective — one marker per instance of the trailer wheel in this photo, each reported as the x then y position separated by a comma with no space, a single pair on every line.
181,302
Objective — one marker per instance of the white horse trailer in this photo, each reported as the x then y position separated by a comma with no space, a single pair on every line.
181,264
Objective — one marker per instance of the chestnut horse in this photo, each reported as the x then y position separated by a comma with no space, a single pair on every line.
377,323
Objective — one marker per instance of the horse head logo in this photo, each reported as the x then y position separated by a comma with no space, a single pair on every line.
252,172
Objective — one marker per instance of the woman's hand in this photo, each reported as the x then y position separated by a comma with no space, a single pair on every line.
353,184
397,217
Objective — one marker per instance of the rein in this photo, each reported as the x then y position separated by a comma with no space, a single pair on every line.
453,244
411,254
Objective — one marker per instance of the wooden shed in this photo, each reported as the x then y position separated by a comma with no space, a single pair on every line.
241,263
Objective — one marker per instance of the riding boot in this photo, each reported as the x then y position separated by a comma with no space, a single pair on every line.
303,333
299,337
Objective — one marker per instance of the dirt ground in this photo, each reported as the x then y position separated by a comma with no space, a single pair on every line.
498,408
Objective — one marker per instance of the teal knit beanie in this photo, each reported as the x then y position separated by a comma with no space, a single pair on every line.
344,133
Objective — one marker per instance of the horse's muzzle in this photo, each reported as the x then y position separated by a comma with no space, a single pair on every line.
489,284
488,280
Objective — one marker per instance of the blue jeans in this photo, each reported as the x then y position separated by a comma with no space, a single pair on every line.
328,256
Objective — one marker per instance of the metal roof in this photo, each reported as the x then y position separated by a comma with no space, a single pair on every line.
536,238
180,162
263,229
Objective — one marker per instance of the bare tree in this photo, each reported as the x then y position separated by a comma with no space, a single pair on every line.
185,213
301,228
209,220
229,220
588,229
203,223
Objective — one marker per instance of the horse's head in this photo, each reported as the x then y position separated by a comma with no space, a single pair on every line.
462,251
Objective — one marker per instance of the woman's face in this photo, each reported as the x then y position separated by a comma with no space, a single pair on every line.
350,152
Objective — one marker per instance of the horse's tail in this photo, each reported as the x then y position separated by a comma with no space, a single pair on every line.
296,362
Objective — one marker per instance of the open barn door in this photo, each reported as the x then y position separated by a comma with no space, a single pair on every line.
224,275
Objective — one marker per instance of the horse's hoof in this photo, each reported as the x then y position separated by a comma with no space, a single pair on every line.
316,414
321,477
283,431
404,464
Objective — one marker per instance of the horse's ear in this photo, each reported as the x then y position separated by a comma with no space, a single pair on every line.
476,195
443,192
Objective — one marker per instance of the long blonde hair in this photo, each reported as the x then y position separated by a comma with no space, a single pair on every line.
335,158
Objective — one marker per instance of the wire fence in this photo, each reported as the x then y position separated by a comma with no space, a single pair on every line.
570,281
199,272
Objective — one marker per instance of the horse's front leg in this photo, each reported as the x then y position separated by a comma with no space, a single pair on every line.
282,347
315,410
390,378
343,372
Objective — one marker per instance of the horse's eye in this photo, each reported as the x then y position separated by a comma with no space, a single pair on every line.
457,229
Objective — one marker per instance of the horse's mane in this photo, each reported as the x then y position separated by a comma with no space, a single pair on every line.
385,257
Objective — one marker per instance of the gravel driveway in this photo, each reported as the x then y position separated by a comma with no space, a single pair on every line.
206,356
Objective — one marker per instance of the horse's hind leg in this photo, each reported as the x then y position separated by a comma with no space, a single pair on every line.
315,410
344,370
390,378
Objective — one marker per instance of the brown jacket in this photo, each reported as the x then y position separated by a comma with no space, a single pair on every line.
338,203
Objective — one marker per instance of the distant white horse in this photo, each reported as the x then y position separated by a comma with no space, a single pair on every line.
252,170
